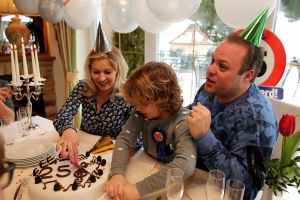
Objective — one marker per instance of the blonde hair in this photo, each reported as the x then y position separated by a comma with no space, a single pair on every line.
116,60
154,82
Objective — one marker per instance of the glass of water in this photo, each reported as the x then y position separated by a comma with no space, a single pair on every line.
6,128
174,184
234,190
215,185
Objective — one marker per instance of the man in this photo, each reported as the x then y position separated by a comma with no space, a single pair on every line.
231,135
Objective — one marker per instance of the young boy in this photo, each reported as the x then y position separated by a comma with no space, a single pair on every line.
154,91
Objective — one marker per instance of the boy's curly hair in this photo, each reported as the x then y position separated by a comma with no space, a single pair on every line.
154,82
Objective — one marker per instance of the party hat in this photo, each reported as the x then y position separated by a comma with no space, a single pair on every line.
102,44
254,31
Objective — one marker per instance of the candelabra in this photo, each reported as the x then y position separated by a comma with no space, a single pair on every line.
31,90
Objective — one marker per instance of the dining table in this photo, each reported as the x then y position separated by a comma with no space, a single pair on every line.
139,166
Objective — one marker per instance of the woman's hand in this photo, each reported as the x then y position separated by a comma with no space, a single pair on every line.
114,187
69,143
5,92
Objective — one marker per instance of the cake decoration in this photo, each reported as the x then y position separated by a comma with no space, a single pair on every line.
103,144
45,171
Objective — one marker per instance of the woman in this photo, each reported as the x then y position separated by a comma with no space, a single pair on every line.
6,103
104,111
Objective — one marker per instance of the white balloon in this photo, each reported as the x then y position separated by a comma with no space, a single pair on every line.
145,19
79,14
52,10
240,13
118,16
27,6
173,10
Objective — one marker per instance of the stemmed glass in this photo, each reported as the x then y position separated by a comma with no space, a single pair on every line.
215,185
234,190
174,184
23,120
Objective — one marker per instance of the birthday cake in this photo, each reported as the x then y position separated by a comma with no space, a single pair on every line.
56,178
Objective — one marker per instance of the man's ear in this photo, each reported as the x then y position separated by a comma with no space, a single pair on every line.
249,75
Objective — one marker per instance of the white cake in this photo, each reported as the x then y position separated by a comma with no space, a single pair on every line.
56,178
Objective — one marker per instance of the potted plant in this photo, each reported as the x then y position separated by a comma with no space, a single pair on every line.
285,171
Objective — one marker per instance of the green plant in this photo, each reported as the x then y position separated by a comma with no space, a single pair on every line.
285,171
132,47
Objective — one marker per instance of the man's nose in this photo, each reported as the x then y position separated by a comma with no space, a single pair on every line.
211,69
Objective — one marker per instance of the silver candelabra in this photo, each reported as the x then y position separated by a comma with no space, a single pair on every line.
31,90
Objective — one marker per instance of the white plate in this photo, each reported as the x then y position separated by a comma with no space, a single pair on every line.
27,149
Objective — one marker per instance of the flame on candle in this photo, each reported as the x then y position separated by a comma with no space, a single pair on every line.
11,46
15,47
31,47
34,47
22,39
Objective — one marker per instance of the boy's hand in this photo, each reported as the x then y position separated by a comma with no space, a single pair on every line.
130,192
114,187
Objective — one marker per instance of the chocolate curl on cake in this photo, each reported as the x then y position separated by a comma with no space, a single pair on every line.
102,44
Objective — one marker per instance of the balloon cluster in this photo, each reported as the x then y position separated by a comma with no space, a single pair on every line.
153,16
78,14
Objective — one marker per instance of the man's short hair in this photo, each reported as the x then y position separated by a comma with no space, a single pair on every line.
254,57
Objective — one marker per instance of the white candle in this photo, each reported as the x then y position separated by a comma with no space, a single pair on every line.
17,64
25,68
37,65
33,67
13,68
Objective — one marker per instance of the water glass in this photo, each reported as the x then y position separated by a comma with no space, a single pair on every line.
7,130
174,183
23,120
215,185
234,190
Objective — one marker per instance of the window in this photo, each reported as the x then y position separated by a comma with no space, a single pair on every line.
288,30
187,46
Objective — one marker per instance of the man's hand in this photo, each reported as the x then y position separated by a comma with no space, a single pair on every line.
199,121
69,143
114,187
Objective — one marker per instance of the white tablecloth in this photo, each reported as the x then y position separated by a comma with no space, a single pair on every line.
139,167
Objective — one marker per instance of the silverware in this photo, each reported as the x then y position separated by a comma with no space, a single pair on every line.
78,166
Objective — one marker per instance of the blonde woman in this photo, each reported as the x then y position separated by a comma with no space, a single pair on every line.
104,110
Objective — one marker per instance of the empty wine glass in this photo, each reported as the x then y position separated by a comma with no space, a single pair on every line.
23,120
215,185
234,190
7,130
174,184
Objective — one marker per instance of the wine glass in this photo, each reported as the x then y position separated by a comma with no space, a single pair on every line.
174,184
7,130
234,190
215,185
23,120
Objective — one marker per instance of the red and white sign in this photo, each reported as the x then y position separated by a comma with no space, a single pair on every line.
274,61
